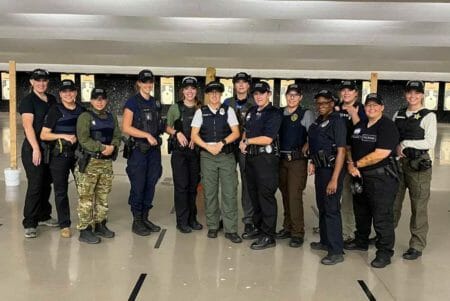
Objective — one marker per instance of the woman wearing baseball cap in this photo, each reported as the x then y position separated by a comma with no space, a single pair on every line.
185,158
33,108
418,130
59,131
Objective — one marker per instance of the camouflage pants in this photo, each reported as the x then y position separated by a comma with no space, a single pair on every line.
93,187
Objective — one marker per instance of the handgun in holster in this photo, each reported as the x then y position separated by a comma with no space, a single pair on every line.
83,159
46,151
128,146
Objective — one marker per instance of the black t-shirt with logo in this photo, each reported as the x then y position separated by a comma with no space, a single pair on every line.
383,134
34,105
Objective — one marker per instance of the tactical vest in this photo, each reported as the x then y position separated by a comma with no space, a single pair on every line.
102,129
321,137
242,110
186,116
67,123
214,126
409,127
292,133
148,118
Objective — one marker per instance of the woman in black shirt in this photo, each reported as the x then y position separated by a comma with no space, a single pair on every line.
59,130
373,144
33,108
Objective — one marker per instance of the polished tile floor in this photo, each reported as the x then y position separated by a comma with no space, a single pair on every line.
192,267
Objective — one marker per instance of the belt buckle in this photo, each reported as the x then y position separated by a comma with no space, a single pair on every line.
268,149
289,157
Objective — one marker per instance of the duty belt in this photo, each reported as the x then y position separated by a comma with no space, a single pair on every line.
254,150
321,159
383,170
291,155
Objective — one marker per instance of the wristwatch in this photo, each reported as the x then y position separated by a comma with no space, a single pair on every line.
224,141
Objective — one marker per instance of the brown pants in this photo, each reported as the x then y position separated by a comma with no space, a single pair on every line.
293,176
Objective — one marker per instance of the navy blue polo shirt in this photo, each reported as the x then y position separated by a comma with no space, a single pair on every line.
265,122
132,103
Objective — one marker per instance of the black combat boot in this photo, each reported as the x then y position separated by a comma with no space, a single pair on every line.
88,236
139,227
151,226
103,231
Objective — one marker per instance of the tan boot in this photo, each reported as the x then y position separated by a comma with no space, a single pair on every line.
66,233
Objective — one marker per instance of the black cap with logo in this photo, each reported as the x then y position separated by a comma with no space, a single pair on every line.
348,84
260,86
67,84
375,98
214,86
189,81
39,74
416,85
146,75
325,94
242,76
98,92
294,87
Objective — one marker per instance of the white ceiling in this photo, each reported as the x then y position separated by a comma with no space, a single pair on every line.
269,38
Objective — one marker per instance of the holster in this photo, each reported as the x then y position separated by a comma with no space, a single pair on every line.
83,159
128,146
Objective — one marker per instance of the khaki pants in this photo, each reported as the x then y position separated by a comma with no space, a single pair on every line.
347,213
293,176
418,185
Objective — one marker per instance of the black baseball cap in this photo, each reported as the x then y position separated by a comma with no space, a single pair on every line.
242,76
294,87
146,75
260,86
349,84
214,86
325,94
37,74
97,92
189,81
375,98
416,85
67,84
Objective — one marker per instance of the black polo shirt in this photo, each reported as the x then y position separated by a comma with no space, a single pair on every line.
34,105
266,122
383,134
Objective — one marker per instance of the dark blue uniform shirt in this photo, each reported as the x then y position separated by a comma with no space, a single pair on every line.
327,134
266,122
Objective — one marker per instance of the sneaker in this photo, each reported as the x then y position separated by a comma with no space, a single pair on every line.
88,236
212,233
30,232
355,245
66,233
51,222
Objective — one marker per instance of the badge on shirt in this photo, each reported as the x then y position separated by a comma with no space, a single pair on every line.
417,116
294,117
357,131
248,116
222,111
324,124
